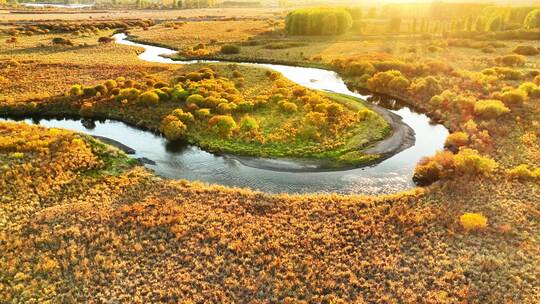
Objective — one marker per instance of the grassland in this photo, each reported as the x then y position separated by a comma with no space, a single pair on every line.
129,236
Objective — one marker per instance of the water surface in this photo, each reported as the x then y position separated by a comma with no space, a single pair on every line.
191,163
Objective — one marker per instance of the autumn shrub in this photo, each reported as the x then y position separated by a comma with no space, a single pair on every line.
195,99
523,172
248,123
511,60
426,87
224,124
173,128
87,109
130,94
365,114
162,94
148,98
469,161
203,113
309,132
186,117
223,108
315,119
514,97
110,84
427,173
456,140
535,93
178,94
473,221
432,169
527,87
115,91
380,82
229,49
102,89
128,83
537,80
334,109
508,73
105,40
76,90
160,84
490,108
62,41
526,50
89,91
287,106
355,68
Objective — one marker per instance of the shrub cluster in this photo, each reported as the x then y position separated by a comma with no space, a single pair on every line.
473,221
445,164
229,49
490,108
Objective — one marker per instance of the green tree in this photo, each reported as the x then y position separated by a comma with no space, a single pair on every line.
395,25
532,21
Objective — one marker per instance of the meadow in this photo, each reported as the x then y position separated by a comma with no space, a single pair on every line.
82,222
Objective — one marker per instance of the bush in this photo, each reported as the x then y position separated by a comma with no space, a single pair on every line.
289,107
229,49
427,173
334,109
185,117
224,123
110,84
105,40
89,91
365,114
521,172
490,108
535,93
310,133
129,94
318,21
195,99
149,98
469,161
526,50
508,74
203,113
456,140
61,41
399,84
102,89
162,94
224,108
511,60
514,97
178,94
426,87
173,128
473,221
87,109
359,68
248,123
527,87
315,119
380,82
76,90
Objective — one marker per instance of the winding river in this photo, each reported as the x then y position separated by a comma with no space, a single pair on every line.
191,163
